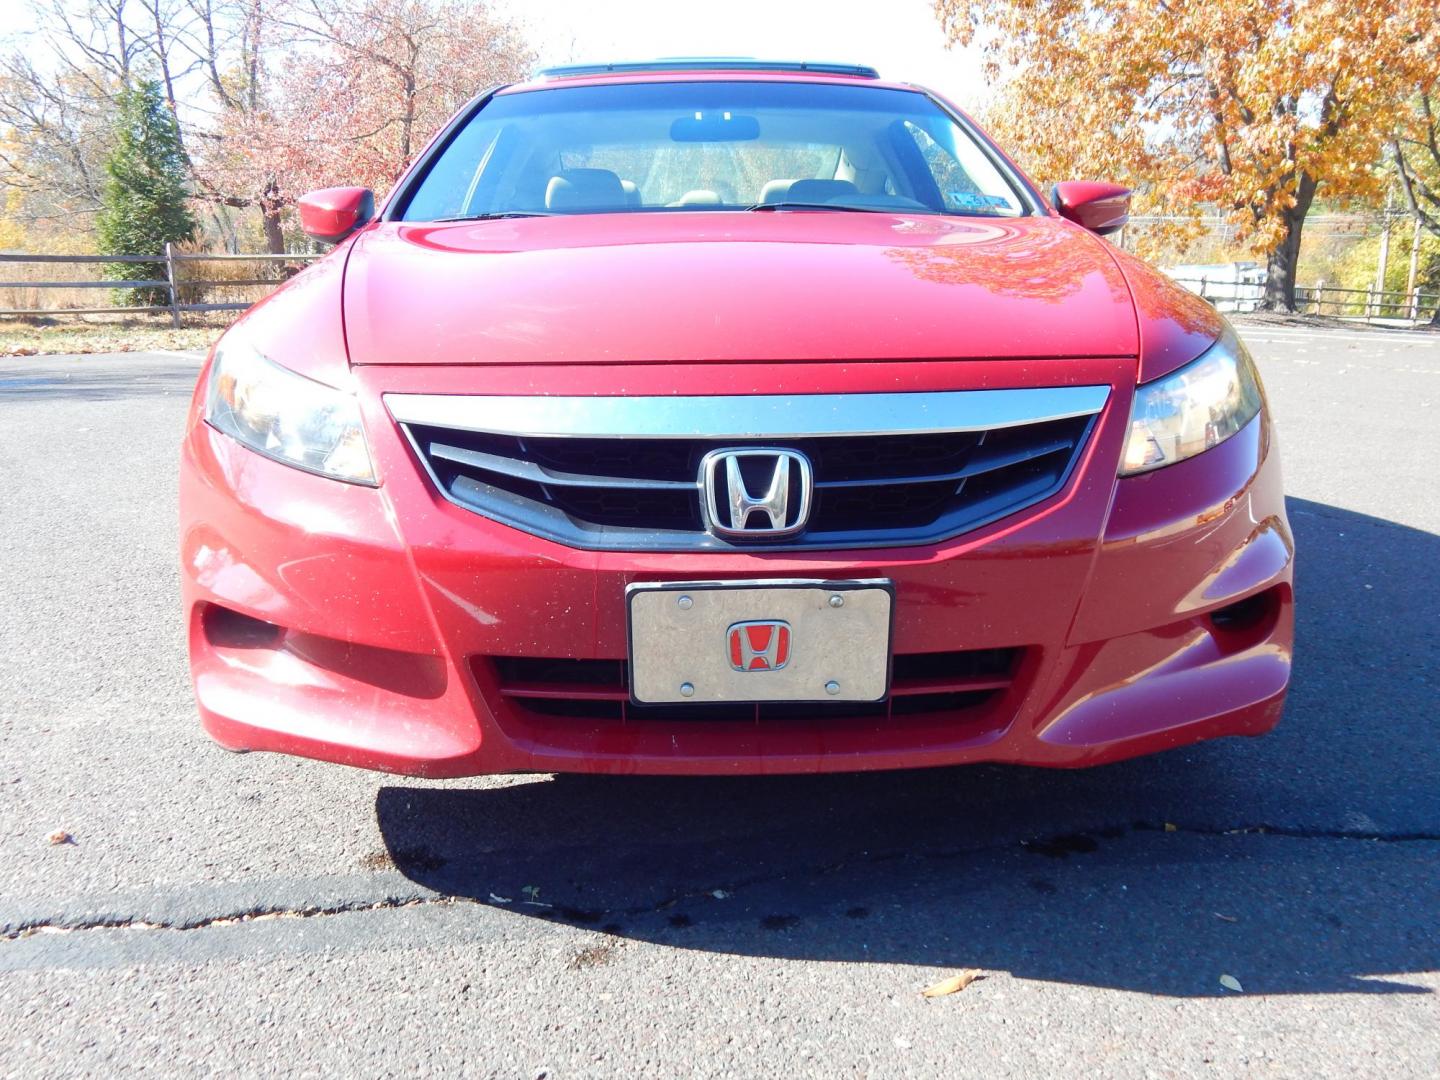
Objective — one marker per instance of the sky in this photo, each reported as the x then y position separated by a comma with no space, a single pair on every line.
902,38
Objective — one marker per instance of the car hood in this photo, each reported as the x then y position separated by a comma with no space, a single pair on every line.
732,287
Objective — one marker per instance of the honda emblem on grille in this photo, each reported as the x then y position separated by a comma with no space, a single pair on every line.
759,646
755,492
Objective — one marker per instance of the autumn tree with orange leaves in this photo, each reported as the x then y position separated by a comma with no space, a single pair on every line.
1248,107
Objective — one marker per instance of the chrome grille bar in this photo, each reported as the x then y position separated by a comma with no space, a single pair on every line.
755,416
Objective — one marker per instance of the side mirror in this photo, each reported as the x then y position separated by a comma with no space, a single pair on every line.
331,214
1101,208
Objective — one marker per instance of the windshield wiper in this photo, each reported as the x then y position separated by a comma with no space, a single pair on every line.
790,204
849,208
496,215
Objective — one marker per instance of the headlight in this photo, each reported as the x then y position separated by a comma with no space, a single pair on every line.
286,416
1193,409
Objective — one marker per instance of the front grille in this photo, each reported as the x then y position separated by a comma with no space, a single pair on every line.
598,690
870,490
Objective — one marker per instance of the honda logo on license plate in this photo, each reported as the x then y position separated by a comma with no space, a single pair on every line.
759,646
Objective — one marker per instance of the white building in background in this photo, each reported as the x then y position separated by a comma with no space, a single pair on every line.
1236,286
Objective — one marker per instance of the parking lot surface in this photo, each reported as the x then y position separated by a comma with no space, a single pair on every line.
215,912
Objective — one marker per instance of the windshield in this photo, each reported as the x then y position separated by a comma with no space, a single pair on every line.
651,147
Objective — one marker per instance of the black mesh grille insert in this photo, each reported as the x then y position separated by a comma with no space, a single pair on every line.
922,683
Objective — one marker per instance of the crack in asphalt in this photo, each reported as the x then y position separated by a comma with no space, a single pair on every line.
1293,832
257,913
1054,846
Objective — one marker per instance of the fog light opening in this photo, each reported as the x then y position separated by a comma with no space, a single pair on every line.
1252,615
229,629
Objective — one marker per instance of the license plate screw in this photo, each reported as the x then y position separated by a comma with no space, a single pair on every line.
685,603
836,600
688,689
832,688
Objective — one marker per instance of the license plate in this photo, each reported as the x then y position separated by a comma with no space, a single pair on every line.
752,641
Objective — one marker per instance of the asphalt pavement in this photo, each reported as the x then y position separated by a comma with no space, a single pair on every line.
257,914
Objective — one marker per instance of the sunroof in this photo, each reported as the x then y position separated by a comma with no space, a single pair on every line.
712,63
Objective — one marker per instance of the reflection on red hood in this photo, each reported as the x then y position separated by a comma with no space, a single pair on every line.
696,287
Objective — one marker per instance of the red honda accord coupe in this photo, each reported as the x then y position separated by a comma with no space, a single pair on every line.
729,417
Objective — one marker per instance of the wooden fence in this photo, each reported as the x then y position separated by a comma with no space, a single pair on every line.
172,283
1369,304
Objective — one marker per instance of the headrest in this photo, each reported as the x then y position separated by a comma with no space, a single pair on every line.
699,197
819,191
584,189
775,191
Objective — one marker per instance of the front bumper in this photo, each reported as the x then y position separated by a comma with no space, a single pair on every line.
374,626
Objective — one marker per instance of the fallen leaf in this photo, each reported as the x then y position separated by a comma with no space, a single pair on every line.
721,894
1169,827
60,836
952,985
1225,918
1229,982
499,899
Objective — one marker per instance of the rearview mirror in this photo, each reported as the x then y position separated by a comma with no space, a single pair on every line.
715,127
331,214
1101,208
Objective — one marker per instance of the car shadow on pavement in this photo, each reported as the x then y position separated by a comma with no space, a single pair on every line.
1306,861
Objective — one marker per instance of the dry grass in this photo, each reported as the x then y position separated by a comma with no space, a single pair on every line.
21,296
222,282
107,333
